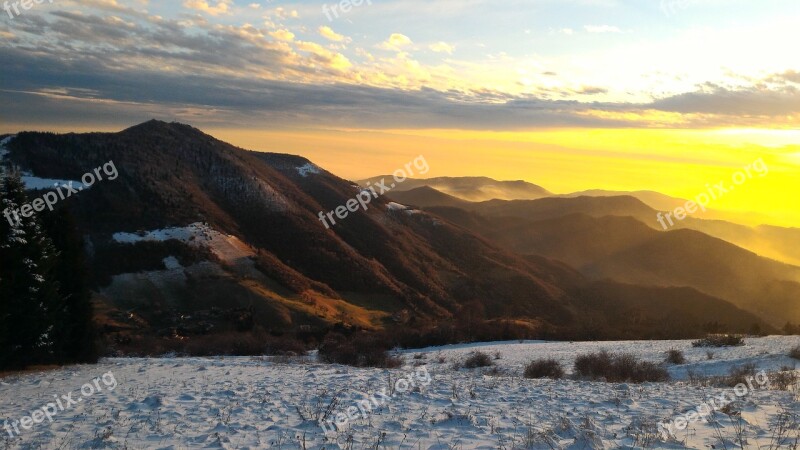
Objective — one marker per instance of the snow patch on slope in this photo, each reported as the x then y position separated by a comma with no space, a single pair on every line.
195,233
3,146
306,169
227,248
171,262
32,182
394,206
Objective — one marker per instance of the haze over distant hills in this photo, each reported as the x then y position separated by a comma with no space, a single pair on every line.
196,234
617,237
779,243
655,200
474,189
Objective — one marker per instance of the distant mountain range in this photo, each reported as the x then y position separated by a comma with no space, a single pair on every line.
779,243
614,237
194,231
474,189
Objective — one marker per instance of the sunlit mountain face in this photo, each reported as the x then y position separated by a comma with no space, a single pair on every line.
674,96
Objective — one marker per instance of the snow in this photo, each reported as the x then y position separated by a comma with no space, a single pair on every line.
171,263
227,248
3,143
191,233
306,169
393,206
767,353
32,182
246,402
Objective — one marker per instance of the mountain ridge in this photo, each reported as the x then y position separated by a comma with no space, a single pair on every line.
380,267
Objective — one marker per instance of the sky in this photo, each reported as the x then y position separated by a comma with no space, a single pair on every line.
668,95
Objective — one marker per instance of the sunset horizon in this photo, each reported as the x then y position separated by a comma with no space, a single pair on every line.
667,96
399,224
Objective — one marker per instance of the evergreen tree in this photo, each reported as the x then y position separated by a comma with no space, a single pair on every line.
31,306
76,343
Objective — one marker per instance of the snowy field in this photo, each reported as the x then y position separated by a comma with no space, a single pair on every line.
239,403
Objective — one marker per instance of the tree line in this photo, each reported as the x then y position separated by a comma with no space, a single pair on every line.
45,301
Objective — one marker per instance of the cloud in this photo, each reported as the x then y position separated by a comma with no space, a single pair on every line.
396,42
790,76
442,47
282,35
758,100
282,13
328,33
602,29
222,6
324,56
219,72
591,90
37,90
40,92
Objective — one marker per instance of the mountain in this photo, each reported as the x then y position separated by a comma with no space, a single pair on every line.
779,243
626,250
426,196
473,189
195,236
548,208
655,200
774,242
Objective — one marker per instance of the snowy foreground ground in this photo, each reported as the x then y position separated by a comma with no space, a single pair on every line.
243,402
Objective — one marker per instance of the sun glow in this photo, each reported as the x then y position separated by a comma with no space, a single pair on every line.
675,162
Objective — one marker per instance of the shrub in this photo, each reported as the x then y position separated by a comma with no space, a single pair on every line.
719,340
359,350
740,374
478,359
618,368
675,357
284,346
544,368
229,343
795,352
593,365
785,380
790,329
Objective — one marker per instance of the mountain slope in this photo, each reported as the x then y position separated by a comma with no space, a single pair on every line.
474,189
173,175
548,208
626,250
426,196
257,252
774,242
655,200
